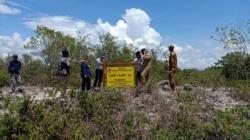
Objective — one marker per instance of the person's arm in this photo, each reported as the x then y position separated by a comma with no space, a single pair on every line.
173,62
90,74
82,69
148,67
20,65
9,66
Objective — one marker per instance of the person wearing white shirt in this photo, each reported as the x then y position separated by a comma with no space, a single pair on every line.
99,72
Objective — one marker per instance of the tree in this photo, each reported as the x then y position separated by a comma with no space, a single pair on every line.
236,66
48,44
235,37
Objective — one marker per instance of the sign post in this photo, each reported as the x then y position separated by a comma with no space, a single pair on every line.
119,75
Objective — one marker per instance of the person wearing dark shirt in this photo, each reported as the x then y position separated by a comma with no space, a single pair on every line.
85,74
14,69
138,63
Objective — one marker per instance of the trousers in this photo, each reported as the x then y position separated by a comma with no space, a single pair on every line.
86,81
98,77
172,80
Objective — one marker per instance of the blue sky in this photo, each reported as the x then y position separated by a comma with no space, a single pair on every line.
187,24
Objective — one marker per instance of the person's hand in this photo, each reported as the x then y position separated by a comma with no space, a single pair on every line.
142,73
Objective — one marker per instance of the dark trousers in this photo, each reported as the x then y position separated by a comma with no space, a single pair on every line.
86,83
138,77
98,77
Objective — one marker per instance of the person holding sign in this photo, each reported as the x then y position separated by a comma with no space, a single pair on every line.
138,63
146,65
172,67
85,73
99,72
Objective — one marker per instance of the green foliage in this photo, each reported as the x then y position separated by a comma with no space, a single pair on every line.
232,124
186,97
186,125
51,43
210,77
134,122
3,77
92,117
236,66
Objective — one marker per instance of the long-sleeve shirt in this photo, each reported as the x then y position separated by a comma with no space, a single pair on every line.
14,67
85,70
172,62
146,65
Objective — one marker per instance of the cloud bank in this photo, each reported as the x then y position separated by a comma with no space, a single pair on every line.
5,9
133,28
12,45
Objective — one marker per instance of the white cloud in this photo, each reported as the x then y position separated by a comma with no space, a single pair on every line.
12,45
5,9
133,28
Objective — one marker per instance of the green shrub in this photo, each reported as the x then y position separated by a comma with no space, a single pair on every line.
133,125
3,77
210,77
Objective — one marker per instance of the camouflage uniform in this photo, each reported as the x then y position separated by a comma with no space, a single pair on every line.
146,68
172,69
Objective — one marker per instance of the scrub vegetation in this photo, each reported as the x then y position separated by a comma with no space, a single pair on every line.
118,113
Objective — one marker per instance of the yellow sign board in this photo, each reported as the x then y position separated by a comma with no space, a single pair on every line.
120,76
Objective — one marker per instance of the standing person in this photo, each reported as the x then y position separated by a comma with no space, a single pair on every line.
138,63
99,72
146,66
14,68
172,67
64,69
85,73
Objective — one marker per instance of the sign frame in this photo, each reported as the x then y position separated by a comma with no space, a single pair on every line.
118,65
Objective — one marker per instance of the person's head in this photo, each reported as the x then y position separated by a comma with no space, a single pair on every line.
84,58
171,48
102,58
65,53
15,56
138,54
143,51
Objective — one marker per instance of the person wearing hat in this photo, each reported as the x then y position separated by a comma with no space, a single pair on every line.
172,67
146,66
14,69
85,74
99,72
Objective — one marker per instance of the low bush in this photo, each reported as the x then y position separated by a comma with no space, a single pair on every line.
3,77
